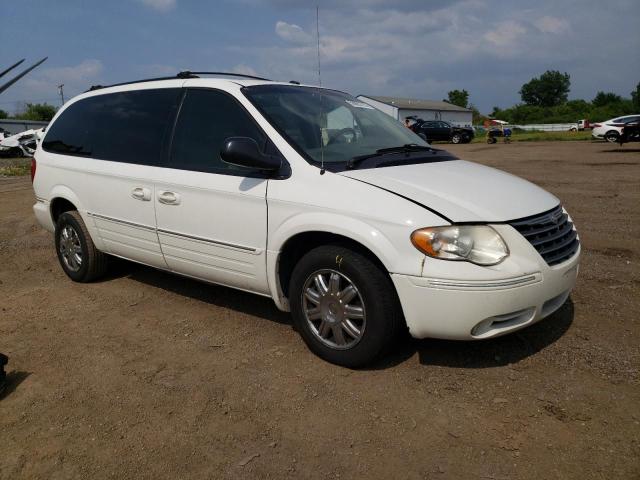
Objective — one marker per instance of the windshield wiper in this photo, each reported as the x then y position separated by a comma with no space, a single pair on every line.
407,148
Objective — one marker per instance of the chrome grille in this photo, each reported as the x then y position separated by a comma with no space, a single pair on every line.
551,233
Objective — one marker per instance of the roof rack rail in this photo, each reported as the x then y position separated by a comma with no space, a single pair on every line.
98,87
181,75
190,74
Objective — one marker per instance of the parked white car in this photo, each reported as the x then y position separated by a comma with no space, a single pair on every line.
309,196
22,144
611,129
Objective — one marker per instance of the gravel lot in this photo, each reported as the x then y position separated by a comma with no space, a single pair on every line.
148,375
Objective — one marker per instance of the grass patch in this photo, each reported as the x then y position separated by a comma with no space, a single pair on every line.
15,167
15,171
542,137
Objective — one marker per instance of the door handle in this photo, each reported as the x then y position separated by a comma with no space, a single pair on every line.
141,193
169,198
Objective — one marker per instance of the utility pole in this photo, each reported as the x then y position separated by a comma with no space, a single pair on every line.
61,92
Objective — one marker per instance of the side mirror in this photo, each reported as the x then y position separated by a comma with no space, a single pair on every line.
244,152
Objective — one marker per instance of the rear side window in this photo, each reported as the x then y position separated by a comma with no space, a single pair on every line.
207,118
122,127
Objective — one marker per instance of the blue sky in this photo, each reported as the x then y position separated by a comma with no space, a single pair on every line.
412,48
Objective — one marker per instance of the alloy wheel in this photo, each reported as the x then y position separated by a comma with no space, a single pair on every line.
334,309
70,248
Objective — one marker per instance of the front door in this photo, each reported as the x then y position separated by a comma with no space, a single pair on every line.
212,216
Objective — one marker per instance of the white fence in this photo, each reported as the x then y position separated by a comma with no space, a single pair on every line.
548,127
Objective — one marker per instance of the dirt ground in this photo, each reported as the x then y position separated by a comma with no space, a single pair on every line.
148,375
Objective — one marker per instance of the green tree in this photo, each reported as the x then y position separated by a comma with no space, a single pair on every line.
458,97
38,111
548,90
605,98
635,97
477,117
3,114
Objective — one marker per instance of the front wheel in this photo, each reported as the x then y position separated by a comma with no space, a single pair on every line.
456,138
611,136
78,256
343,305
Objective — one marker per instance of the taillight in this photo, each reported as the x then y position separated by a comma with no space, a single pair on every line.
33,169
596,125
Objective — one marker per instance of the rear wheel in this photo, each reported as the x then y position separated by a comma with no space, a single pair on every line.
611,136
78,256
343,305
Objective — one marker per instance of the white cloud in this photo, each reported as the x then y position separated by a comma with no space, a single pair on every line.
551,25
43,84
244,70
505,33
160,5
84,71
292,33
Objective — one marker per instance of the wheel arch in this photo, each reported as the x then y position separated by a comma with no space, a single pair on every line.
290,244
63,199
298,245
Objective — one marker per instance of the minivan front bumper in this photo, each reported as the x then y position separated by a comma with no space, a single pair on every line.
473,310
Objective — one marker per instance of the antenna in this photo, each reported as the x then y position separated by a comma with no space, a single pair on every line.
319,94
318,37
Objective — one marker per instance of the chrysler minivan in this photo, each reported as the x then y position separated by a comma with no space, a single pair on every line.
336,211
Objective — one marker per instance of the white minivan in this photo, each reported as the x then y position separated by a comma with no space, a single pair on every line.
309,196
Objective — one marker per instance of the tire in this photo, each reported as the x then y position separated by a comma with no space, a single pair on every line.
78,256
330,327
16,152
456,138
611,136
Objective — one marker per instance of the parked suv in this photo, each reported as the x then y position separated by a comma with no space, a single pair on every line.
309,196
441,131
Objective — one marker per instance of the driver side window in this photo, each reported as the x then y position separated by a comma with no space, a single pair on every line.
207,118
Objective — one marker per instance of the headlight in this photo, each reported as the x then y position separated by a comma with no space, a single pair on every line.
478,244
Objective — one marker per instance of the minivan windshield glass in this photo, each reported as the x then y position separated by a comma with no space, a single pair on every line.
330,126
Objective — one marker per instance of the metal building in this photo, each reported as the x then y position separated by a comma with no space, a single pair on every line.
16,126
400,108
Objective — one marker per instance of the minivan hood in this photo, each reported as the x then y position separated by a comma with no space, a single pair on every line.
461,191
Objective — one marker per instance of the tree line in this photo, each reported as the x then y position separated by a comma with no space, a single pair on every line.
34,111
545,100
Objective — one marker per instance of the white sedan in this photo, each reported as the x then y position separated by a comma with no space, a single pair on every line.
611,129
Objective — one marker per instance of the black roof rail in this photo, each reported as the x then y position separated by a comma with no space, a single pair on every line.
98,87
190,74
181,75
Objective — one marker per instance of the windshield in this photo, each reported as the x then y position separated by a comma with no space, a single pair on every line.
328,125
